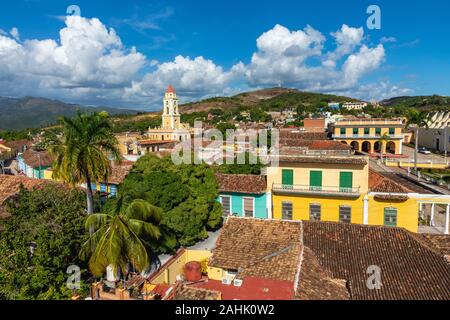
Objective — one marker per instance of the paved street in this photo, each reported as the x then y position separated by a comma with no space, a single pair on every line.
408,151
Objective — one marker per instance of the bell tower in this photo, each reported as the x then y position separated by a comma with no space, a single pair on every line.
171,115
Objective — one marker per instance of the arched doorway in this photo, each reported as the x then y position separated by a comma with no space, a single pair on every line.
377,147
390,147
355,145
366,146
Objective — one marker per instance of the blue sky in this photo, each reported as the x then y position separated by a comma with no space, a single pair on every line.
124,53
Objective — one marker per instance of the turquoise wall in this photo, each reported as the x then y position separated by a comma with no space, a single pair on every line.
237,204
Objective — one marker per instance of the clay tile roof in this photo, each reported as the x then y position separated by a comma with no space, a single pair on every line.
350,159
410,269
31,158
170,89
439,242
119,173
298,136
316,283
19,145
383,184
10,186
184,292
260,248
242,183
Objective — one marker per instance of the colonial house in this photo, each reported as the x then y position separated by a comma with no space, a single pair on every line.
326,182
364,134
243,195
34,163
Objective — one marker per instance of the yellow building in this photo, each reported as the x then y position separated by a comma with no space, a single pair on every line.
336,187
172,129
323,188
364,134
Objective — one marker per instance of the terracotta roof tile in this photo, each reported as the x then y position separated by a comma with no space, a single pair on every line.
184,292
380,183
409,268
259,248
119,173
242,183
10,186
35,158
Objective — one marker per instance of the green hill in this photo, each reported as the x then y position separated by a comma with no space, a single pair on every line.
434,102
272,98
30,112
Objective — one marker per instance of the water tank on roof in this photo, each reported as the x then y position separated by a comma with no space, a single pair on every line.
193,271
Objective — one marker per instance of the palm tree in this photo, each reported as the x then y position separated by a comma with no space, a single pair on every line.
383,140
419,119
122,237
82,154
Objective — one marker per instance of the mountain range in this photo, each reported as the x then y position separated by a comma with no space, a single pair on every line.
32,112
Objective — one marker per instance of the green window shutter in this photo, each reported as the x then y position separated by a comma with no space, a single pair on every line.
391,131
346,181
378,131
315,180
390,217
355,131
287,177
366,131
343,131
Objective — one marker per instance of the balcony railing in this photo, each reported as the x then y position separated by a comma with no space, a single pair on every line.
365,136
309,190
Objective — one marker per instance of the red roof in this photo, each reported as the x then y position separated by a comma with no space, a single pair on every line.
252,289
170,89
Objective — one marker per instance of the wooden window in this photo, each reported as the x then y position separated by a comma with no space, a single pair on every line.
345,214
249,207
390,217
315,212
287,178
286,210
226,204
315,180
346,181
391,131
378,131
343,132
355,131
366,131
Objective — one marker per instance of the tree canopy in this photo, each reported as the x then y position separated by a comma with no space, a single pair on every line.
52,221
186,193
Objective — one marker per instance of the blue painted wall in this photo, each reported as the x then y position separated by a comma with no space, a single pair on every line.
237,203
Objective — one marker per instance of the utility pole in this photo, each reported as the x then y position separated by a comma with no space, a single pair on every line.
39,157
446,142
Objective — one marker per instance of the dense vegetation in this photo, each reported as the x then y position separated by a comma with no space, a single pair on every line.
52,219
186,194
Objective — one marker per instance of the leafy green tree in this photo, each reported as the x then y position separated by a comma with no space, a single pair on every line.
246,168
383,141
40,241
420,120
186,193
121,237
82,155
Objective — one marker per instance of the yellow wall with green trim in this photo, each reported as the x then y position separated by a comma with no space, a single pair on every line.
407,213
329,207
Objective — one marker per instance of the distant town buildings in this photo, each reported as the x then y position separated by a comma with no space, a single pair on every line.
437,135
364,134
354,105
